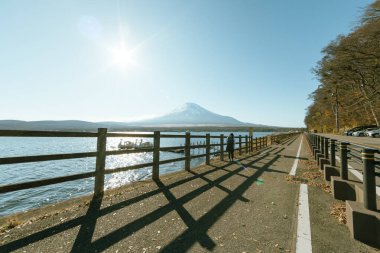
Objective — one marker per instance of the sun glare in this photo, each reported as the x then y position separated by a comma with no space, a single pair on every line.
122,57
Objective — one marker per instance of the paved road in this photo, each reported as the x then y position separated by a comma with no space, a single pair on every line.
365,141
246,206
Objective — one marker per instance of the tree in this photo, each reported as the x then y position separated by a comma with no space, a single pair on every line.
350,69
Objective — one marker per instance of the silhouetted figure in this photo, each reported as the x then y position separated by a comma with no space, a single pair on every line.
230,146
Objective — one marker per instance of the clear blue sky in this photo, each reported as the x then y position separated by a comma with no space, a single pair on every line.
125,60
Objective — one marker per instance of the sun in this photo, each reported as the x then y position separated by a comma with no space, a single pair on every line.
122,57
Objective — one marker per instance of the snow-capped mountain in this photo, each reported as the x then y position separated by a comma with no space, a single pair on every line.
191,114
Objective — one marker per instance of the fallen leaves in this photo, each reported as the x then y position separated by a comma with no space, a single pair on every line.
323,186
312,175
338,211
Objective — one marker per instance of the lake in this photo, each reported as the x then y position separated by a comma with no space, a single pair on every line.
24,200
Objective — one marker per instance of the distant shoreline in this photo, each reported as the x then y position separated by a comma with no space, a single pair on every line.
162,129
78,125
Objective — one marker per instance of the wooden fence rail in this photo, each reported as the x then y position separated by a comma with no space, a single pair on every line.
248,142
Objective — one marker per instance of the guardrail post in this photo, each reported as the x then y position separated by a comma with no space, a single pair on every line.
156,155
187,151
343,161
246,144
100,162
266,141
222,147
332,152
323,146
369,181
207,149
239,144
251,143
326,148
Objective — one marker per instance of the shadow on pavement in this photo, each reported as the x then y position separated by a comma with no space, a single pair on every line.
185,240
196,229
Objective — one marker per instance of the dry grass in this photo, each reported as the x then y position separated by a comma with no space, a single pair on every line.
12,223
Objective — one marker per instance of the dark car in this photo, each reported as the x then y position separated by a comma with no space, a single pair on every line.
358,128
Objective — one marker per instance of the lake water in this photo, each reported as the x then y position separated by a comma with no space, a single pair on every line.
24,200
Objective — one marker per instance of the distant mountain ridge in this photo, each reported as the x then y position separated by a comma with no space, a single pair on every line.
188,115
49,125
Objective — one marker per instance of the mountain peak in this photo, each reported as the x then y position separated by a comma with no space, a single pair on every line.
192,108
191,114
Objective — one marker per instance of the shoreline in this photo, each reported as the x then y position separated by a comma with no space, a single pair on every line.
77,203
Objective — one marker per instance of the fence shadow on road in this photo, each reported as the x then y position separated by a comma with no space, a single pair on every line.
295,157
196,229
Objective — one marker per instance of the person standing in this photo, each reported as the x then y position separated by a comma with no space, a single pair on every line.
230,147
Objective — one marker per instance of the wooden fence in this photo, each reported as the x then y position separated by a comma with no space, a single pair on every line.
245,144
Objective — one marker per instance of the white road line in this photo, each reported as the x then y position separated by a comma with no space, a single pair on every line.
295,164
358,174
303,227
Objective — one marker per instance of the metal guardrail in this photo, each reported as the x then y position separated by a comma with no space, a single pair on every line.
351,151
246,144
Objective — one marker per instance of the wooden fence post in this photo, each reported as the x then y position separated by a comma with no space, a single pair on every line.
207,149
100,162
187,151
222,147
156,155
251,144
246,144
239,144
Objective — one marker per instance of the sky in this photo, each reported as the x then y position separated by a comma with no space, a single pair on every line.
116,60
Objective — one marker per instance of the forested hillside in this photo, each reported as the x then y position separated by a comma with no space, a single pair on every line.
349,75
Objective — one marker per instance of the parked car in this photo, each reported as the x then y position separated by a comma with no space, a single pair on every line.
362,132
358,128
368,130
358,133
374,133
